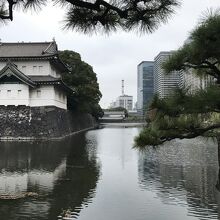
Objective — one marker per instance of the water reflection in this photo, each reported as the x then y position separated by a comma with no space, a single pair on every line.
63,173
183,173
99,176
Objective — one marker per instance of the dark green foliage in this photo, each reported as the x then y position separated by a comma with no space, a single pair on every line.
183,102
201,52
185,114
101,15
182,115
84,81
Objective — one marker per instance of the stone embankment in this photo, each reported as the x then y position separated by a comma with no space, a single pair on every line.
31,123
18,196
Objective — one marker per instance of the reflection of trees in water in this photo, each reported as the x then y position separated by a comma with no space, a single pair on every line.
64,173
77,186
168,173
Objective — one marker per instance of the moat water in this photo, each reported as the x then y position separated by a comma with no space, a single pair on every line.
99,176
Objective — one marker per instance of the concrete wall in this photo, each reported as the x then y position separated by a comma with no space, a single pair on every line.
23,122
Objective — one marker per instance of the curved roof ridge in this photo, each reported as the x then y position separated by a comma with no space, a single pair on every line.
51,48
17,73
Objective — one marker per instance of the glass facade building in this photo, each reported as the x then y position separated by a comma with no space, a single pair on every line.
145,85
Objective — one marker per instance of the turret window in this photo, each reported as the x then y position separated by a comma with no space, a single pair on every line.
19,93
34,69
40,68
38,93
9,93
23,69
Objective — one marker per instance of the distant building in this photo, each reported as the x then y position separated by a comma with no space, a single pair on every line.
164,83
125,101
112,104
193,82
145,85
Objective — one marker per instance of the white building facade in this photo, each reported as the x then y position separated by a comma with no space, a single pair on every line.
31,75
193,82
125,101
164,83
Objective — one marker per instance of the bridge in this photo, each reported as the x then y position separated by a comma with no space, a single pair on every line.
113,116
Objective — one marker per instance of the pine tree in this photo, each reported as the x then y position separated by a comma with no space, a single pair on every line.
185,114
101,15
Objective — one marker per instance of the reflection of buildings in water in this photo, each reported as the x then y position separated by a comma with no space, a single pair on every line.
36,180
63,173
26,166
184,173
12,183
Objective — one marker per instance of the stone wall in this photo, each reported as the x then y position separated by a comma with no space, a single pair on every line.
22,122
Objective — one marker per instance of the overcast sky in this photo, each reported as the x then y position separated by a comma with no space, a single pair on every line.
114,57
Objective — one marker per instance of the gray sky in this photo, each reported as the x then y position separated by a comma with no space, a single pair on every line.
114,57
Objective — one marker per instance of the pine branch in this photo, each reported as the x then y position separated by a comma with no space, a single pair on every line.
11,3
83,15
191,134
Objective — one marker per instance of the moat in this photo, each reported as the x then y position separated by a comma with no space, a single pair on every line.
97,175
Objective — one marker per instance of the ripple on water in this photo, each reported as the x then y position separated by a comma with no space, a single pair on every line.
183,173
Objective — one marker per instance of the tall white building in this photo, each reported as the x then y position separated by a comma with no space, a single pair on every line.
164,83
193,82
31,75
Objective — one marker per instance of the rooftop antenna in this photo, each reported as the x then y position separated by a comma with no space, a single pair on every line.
122,88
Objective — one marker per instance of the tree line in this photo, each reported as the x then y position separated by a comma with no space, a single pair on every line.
83,80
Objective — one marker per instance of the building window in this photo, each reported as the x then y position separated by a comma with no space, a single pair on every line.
9,93
23,69
19,93
34,69
40,68
38,93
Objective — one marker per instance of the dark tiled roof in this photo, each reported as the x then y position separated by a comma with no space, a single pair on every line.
44,79
32,49
39,80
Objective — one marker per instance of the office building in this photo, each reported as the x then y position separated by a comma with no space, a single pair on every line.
164,83
145,85
193,82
